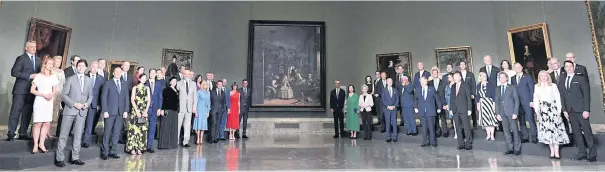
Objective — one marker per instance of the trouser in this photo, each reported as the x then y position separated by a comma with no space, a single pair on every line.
582,133
379,112
410,121
221,132
390,117
526,114
21,108
91,123
185,123
112,131
366,119
68,121
428,130
513,140
463,125
153,118
339,124
215,117
402,122
243,118
474,115
441,129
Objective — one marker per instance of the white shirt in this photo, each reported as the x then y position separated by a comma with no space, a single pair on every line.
463,75
101,72
568,80
549,94
488,69
436,82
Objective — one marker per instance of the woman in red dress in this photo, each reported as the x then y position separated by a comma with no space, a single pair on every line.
233,116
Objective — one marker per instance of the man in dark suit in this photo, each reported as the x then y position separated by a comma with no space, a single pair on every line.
490,70
421,73
244,105
155,91
218,107
390,101
71,70
115,105
555,76
210,81
337,102
468,78
128,81
461,107
507,108
575,94
376,110
579,69
525,87
439,86
406,102
380,86
397,84
103,69
24,70
92,117
428,105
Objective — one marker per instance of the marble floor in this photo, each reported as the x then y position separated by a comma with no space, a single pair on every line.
322,152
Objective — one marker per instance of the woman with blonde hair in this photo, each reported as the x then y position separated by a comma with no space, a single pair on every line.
486,94
200,122
551,130
44,88
58,72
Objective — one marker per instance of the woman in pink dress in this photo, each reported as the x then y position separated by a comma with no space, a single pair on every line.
233,116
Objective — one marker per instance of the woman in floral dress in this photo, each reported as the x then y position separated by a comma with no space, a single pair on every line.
137,121
547,104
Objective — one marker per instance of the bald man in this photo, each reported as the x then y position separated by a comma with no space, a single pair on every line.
489,69
579,69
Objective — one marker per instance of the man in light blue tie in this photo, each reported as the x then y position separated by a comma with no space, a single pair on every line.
390,100
507,108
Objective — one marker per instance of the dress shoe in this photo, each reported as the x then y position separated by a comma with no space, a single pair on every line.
524,140
414,134
244,137
517,152
335,136
114,156
408,134
424,145
434,145
60,164
150,150
77,162
593,159
85,145
437,135
534,141
578,158
468,147
104,157
446,135
24,138
383,131
394,140
557,158
10,139
94,133
366,138
215,141
460,147
509,153
389,140
223,139
186,145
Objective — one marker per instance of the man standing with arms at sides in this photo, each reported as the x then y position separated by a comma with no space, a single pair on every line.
398,84
128,81
337,103
77,95
406,101
114,102
223,120
575,93
438,86
427,102
103,68
460,106
468,78
244,107
490,70
382,84
217,108
92,118
24,70
390,100
210,80
421,73
376,93
525,87
507,108
187,105
71,70
155,91
579,69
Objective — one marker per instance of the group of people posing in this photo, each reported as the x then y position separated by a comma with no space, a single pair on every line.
556,107
132,106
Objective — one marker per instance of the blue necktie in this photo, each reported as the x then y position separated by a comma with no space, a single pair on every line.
118,84
502,92
33,62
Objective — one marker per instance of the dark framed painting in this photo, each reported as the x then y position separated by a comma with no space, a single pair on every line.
596,14
529,45
181,57
118,63
453,56
51,39
389,61
287,65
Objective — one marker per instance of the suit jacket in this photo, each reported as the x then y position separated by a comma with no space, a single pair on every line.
96,89
397,80
156,94
388,99
580,70
21,70
577,97
440,89
460,103
428,106
70,71
106,75
507,104
377,86
554,79
114,101
187,100
525,87
425,74
217,103
228,98
244,99
366,102
74,92
406,96
470,82
129,81
492,77
337,103
380,87
214,85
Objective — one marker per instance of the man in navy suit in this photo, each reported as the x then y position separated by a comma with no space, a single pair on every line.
24,70
92,118
380,86
115,104
525,88
155,90
490,70
427,103
421,73
390,101
406,102
337,102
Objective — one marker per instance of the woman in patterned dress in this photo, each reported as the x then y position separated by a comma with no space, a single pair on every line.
547,104
486,92
352,112
137,128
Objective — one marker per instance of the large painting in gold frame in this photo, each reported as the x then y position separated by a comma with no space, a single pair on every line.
596,16
453,56
530,46
117,63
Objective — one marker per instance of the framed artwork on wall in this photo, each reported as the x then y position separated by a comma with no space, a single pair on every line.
172,59
596,15
387,63
453,56
117,63
530,46
51,39
287,65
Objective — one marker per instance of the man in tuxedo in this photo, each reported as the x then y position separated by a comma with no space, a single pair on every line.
381,85
71,70
24,70
115,105
490,70
187,105
337,102
507,108
525,87
406,102
575,93
155,94
173,69
579,69
103,69
421,73
217,109
390,100
427,103
92,118
244,106
468,78
461,107
438,85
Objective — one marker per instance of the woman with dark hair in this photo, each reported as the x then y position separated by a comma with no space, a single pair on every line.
234,109
138,126
370,84
352,112
140,70
168,137
198,81
507,68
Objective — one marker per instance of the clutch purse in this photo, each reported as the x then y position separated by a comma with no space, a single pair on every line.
141,120
356,110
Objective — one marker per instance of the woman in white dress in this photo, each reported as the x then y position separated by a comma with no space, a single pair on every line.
505,67
57,72
548,114
44,88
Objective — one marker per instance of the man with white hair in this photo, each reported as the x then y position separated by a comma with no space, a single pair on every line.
579,69
489,69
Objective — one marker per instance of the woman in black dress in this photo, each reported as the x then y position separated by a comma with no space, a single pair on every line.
370,84
168,136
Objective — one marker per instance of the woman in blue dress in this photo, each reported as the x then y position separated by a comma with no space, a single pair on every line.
200,123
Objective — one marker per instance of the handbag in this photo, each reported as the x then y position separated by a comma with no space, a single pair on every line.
141,120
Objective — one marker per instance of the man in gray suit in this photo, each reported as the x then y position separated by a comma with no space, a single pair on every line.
244,105
114,102
77,96
507,108
187,105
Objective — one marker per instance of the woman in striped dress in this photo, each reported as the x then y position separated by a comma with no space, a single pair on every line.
485,105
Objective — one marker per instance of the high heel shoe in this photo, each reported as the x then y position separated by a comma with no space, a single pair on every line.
34,152
43,150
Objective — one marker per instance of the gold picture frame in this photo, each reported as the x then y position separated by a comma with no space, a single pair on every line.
453,56
595,42
117,63
530,46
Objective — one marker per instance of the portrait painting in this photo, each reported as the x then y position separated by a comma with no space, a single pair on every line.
529,45
286,65
389,61
453,56
118,63
172,59
51,39
596,14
